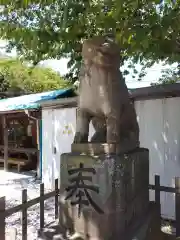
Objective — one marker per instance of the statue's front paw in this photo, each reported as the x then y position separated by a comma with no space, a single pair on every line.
80,138
98,138
76,138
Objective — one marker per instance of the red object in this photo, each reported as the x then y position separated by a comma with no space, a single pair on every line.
34,131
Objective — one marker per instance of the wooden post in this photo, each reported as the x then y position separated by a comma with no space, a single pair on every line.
41,206
5,143
38,147
157,190
56,199
37,129
24,214
158,199
2,218
177,205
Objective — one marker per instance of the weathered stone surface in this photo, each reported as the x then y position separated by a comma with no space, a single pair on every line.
123,195
146,227
104,98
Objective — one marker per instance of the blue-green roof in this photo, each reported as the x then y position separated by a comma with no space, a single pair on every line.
32,101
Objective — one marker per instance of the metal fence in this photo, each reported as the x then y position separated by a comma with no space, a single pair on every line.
175,190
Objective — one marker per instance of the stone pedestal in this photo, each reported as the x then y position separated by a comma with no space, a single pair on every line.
101,192
146,227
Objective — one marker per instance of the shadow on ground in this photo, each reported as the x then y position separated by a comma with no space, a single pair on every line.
55,232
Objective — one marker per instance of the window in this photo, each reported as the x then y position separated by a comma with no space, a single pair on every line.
16,132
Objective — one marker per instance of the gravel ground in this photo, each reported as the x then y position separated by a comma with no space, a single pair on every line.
11,185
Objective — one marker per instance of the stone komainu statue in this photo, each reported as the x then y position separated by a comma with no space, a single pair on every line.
104,98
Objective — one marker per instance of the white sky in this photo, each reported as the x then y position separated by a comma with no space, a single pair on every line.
153,73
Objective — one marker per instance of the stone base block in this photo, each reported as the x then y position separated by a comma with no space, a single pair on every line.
145,228
148,227
101,194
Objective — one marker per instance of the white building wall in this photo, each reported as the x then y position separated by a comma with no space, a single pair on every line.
47,157
58,134
159,122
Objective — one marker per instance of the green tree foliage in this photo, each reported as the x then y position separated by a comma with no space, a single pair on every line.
18,77
147,31
169,76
